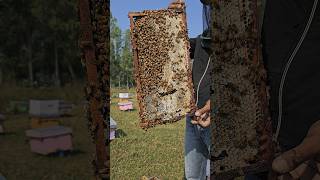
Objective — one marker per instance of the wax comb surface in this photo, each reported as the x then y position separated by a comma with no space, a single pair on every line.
239,90
162,66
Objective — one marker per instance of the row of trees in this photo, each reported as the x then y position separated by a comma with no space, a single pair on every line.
121,72
39,44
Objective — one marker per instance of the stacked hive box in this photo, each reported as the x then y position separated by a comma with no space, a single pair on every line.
46,113
124,103
46,136
162,65
50,140
124,97
37,122
113,129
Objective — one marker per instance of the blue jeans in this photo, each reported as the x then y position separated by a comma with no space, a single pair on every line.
1,177
197,148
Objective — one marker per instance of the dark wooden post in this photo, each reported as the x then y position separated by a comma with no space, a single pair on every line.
94,38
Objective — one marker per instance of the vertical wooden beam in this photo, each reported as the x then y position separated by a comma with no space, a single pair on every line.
97,76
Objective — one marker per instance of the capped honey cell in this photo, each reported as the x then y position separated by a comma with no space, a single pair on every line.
239,90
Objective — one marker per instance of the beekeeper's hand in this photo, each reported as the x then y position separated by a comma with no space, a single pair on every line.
202,116
302,161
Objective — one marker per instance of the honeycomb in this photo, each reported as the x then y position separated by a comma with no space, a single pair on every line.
239,93
162,65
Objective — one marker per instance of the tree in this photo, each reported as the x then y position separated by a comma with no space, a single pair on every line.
17,35
60,20
126,56
39,38
115,52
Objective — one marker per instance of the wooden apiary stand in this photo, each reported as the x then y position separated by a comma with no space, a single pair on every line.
161,65
50,140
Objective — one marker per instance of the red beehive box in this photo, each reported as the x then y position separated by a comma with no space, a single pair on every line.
49,140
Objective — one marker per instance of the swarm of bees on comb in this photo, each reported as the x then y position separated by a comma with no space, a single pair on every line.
239,90
94,32
98,90
161,65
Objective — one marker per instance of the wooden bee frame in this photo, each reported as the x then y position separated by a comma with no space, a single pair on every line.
162,65
240,103
93,42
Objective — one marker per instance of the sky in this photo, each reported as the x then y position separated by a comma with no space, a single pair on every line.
121,8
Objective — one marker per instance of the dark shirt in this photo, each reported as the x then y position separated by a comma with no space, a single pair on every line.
284,22
201,57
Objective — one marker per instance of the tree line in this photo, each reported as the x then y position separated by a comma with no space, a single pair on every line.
121,72
39,45
39,42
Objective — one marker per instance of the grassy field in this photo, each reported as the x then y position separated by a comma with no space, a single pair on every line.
156,152
16,160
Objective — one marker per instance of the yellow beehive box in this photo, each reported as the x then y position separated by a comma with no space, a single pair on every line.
124,97
43,122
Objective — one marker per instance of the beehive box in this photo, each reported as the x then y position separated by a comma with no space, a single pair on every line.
37,122
113,129
50,140
49,108
162,65
65,108
124,97
125,106
44,108
239,91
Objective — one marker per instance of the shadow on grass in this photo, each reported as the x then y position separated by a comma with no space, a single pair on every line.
65,153
130,110
120,133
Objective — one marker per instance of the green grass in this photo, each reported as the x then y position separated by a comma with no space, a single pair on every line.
18,162
156,152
